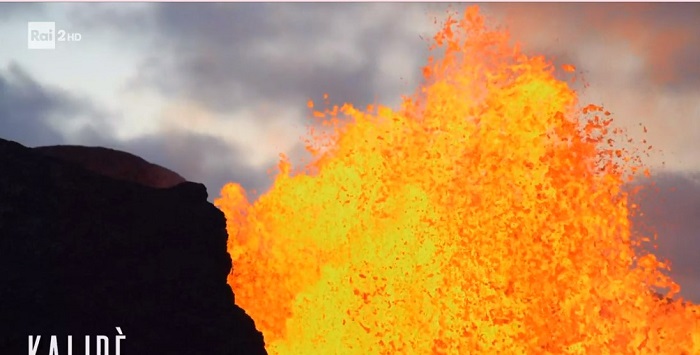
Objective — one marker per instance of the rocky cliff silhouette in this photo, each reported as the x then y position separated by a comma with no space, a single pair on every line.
92,240
117,164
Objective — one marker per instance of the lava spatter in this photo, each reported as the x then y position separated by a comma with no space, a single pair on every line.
486,215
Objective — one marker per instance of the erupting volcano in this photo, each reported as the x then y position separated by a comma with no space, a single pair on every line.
486,215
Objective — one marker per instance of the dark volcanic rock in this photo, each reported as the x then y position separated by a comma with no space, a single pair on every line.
117,164
83,253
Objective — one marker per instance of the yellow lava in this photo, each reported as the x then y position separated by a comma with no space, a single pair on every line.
486,215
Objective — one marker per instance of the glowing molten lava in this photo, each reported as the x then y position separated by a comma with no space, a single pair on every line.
485,216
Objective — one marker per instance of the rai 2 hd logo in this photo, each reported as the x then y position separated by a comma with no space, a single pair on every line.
43,35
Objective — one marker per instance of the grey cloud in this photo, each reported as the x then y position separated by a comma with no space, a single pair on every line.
127,22
227,55
671,208
665,35
25,106
8,10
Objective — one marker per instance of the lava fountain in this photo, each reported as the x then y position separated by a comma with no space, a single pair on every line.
486,215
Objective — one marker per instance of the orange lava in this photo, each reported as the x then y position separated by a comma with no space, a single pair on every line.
486,215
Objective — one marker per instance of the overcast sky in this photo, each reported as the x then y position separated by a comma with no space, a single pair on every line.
216,91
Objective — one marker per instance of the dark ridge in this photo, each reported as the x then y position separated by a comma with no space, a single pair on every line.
82,253
116,164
